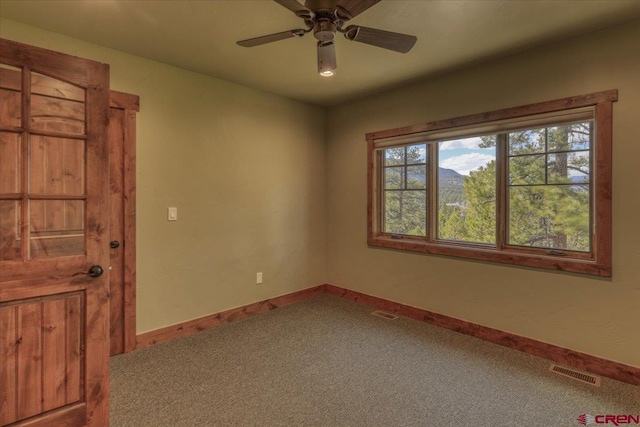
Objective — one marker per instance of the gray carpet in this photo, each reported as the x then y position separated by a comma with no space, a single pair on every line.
328,362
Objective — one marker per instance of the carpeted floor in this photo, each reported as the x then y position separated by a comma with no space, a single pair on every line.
328,362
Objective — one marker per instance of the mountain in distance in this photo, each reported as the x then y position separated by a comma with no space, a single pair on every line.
449,174
450,186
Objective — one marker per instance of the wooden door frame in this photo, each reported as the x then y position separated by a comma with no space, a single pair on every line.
131,105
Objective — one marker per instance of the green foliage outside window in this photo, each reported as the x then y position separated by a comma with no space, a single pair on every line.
548,191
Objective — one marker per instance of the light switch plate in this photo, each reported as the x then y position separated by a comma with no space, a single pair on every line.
172,214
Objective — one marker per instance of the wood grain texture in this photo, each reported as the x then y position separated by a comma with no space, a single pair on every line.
480,253
507,113
29,370
10,81
168,333
12,292
96,372
8,362
10,145
39,363
60,107
73,349
604,184
371,188
54,112
116,257
129,194
70,416
124,101
53,354
596,262
586,362
10,108
43,60
122,161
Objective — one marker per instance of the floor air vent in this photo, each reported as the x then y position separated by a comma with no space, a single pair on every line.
384,315
576,375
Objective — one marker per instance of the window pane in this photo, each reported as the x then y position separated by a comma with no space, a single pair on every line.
56,106
529,141
405,212
394,178
10,96
56,166
57,228
570,137
417,154
550,216
568,167
467,190
417,177
526,170
10,242
10,162
394,156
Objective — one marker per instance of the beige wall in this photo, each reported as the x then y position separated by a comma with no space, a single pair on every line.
246,171
596,316
249,172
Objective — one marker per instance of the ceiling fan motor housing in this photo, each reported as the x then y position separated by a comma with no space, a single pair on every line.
324,31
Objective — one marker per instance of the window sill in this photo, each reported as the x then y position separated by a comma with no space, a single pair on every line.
572,265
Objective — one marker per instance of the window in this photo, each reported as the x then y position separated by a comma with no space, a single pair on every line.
405,190
529,185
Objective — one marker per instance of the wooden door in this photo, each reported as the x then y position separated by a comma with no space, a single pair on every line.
54,224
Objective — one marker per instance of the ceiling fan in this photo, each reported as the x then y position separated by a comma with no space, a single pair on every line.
325,18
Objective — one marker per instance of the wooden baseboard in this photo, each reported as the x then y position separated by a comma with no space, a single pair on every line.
575,359
189,327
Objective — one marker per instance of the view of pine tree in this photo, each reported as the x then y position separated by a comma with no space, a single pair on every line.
547,189
473,219
470,216
405,196
480,191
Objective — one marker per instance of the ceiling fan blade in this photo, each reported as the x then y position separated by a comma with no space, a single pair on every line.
355,7
257,41
295,7
385,39
327,57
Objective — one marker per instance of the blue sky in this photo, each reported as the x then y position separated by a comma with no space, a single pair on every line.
464,155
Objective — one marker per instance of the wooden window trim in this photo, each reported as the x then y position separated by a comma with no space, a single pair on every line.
598,262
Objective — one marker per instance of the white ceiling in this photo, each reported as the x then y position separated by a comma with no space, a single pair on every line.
200,36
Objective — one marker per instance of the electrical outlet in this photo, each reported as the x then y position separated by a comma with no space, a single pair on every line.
258,278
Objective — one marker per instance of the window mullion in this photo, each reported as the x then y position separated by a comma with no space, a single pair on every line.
404,170
501,190
432,189
379,191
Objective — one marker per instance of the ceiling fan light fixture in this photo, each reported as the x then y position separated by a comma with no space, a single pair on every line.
326,58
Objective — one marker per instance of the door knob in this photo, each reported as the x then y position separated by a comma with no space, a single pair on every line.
94,271
114,244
